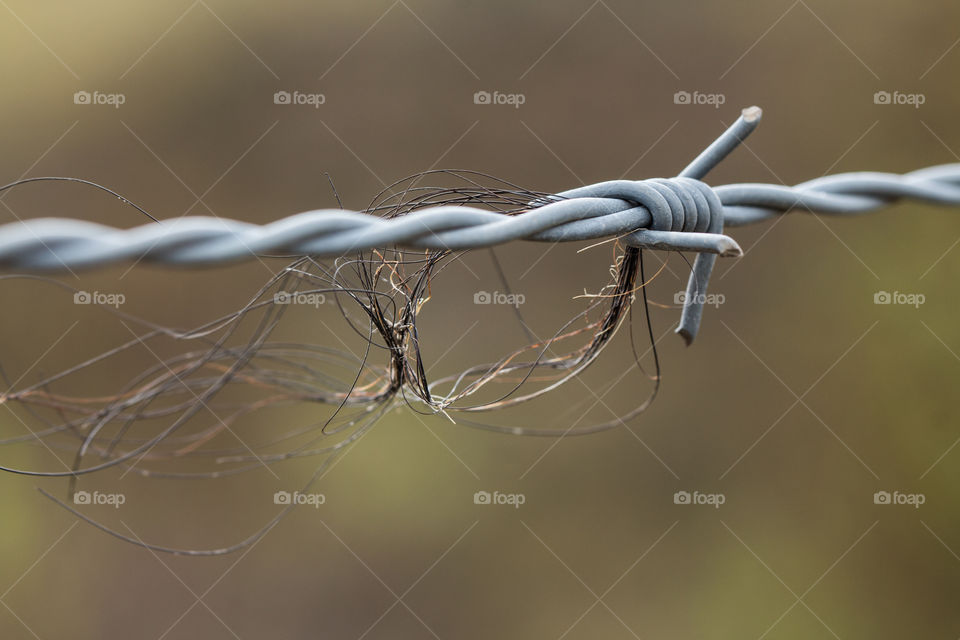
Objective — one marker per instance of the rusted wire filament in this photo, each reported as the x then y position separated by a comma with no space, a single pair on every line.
168,421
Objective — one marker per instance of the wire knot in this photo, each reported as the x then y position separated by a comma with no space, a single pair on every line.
674,204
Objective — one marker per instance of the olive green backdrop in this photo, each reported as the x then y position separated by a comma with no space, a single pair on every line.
799,401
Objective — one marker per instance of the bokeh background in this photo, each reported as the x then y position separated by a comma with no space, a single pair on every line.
800,399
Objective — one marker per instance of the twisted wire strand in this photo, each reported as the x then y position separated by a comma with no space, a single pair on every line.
675,205
56,244
680,214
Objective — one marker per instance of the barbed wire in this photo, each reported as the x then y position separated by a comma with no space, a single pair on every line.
218,406
676,214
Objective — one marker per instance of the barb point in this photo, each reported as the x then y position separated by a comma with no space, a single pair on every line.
752,114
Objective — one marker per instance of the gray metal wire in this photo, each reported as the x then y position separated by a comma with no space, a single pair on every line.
679,214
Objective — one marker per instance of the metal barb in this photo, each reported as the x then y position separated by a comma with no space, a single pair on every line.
703,264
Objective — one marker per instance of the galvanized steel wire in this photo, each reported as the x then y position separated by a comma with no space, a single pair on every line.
681,214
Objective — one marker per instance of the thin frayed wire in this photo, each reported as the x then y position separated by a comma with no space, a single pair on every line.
380,294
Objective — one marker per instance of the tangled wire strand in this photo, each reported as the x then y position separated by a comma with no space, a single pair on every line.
387,258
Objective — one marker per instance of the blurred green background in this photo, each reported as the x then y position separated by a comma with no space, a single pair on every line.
799,401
